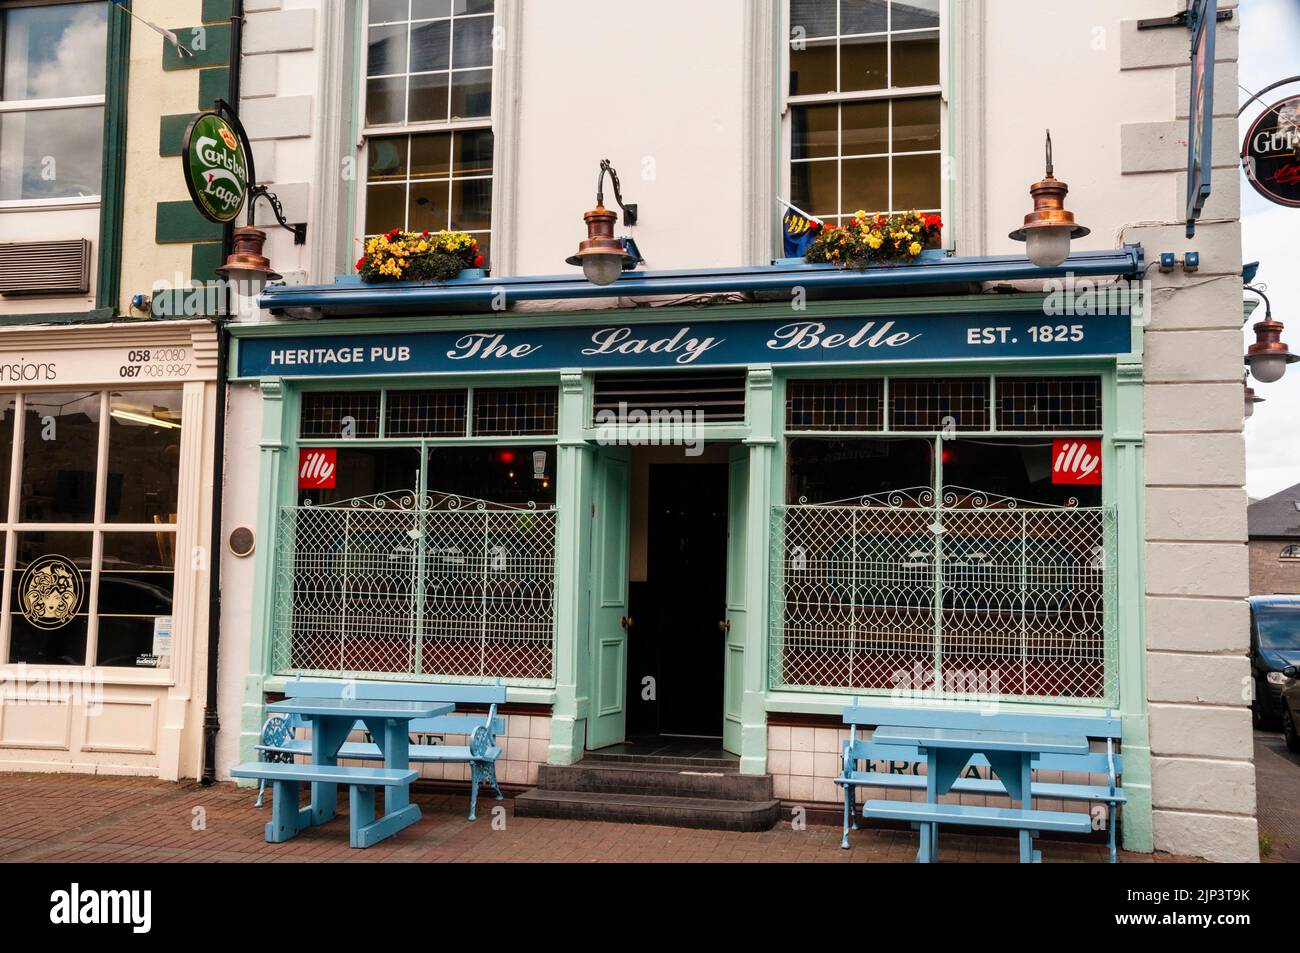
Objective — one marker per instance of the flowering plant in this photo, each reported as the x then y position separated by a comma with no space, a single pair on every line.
418,256
872,239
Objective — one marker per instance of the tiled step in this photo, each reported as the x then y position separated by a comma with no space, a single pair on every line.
697,812
689,780
601,757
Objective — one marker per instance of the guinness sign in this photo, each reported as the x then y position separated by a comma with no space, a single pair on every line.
1271,153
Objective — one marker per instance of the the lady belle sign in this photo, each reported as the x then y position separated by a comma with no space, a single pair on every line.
216,167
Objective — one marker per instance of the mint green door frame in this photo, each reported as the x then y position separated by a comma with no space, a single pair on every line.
607,720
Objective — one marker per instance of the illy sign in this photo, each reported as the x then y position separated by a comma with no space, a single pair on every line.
1076,462
317,469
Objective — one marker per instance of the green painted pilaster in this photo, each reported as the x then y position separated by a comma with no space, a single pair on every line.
113,175
276,412
762,444
1129,482
572,561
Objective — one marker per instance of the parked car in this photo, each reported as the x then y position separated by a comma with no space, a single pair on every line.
1291,707
1274,645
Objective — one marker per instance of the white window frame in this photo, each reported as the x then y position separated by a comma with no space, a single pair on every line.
368,132
39,105
11,527
888,94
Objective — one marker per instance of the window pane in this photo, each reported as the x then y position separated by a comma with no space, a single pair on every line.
51,598
53,153
8,411
471,204
426,413
343,415
915,14
387,50
144,449
135,600
385,208
471,94
430,46
388,158
468,7
866,185
1021,469
812,69
428,98
384,101
916,124
507,411
428,206
939,404
866,16
824,471
814,186
427,9
916,182
813,132
367,471
474,152
386,11
60,450
813,17
431,155
473,43
916,60
510,475
863,63
54,51
866,128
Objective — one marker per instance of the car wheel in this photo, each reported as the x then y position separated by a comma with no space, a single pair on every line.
1289,730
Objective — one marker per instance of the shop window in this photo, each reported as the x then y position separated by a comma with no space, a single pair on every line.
1049,403
834,405
865,106
340,414
8,412
426,413
503,476
362,473
939,404
982,469
82,594
52,101
513,411
429,64
824,471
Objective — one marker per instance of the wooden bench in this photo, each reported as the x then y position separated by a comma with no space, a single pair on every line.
280,739
860,755
287,818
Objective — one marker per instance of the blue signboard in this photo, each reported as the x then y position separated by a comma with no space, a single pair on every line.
687,344
1202,17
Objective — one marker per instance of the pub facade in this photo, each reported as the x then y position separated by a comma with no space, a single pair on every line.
723,495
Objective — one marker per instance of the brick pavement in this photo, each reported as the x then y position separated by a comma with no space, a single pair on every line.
50,818
1277,782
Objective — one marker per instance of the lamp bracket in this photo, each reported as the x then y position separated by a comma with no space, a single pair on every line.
1178,19
629,210
299,229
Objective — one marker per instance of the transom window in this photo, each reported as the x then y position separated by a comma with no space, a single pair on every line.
865,106
52,100
428,116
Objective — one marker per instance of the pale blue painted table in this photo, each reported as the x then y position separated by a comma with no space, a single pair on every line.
948,750
333,719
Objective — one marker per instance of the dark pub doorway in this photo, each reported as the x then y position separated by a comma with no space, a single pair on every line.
676,607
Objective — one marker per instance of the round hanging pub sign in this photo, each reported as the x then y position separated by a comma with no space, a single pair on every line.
216,167
1271,153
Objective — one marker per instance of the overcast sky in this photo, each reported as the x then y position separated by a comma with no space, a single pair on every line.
1270,51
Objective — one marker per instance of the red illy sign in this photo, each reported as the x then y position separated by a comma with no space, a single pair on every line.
317,469
1076,461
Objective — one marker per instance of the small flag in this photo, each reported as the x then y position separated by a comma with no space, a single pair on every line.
799,232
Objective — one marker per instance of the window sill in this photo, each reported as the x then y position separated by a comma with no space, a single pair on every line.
51,205
33,674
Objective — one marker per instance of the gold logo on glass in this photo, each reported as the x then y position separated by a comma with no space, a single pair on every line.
51,590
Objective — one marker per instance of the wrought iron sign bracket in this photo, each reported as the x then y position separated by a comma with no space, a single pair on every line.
299,229
1178,19
629,210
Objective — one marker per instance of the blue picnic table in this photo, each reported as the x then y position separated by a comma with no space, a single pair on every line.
1009,754
332,720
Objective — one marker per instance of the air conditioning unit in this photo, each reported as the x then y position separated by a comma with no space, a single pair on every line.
45,268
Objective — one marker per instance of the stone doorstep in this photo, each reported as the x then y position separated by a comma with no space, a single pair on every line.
691,812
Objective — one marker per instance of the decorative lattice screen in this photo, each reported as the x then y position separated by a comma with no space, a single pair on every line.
1023,606
445,587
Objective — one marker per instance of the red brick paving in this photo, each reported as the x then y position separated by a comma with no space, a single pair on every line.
50,817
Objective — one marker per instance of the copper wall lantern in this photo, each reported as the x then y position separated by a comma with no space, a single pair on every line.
1049,227
246,261
602,256
1269,355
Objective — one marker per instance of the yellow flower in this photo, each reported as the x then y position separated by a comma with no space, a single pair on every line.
914,249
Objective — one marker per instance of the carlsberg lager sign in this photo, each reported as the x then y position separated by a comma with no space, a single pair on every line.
216,167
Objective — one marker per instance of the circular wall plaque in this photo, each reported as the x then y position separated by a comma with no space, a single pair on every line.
1271,153
242,541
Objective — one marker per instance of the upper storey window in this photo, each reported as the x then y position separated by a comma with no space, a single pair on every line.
865,106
